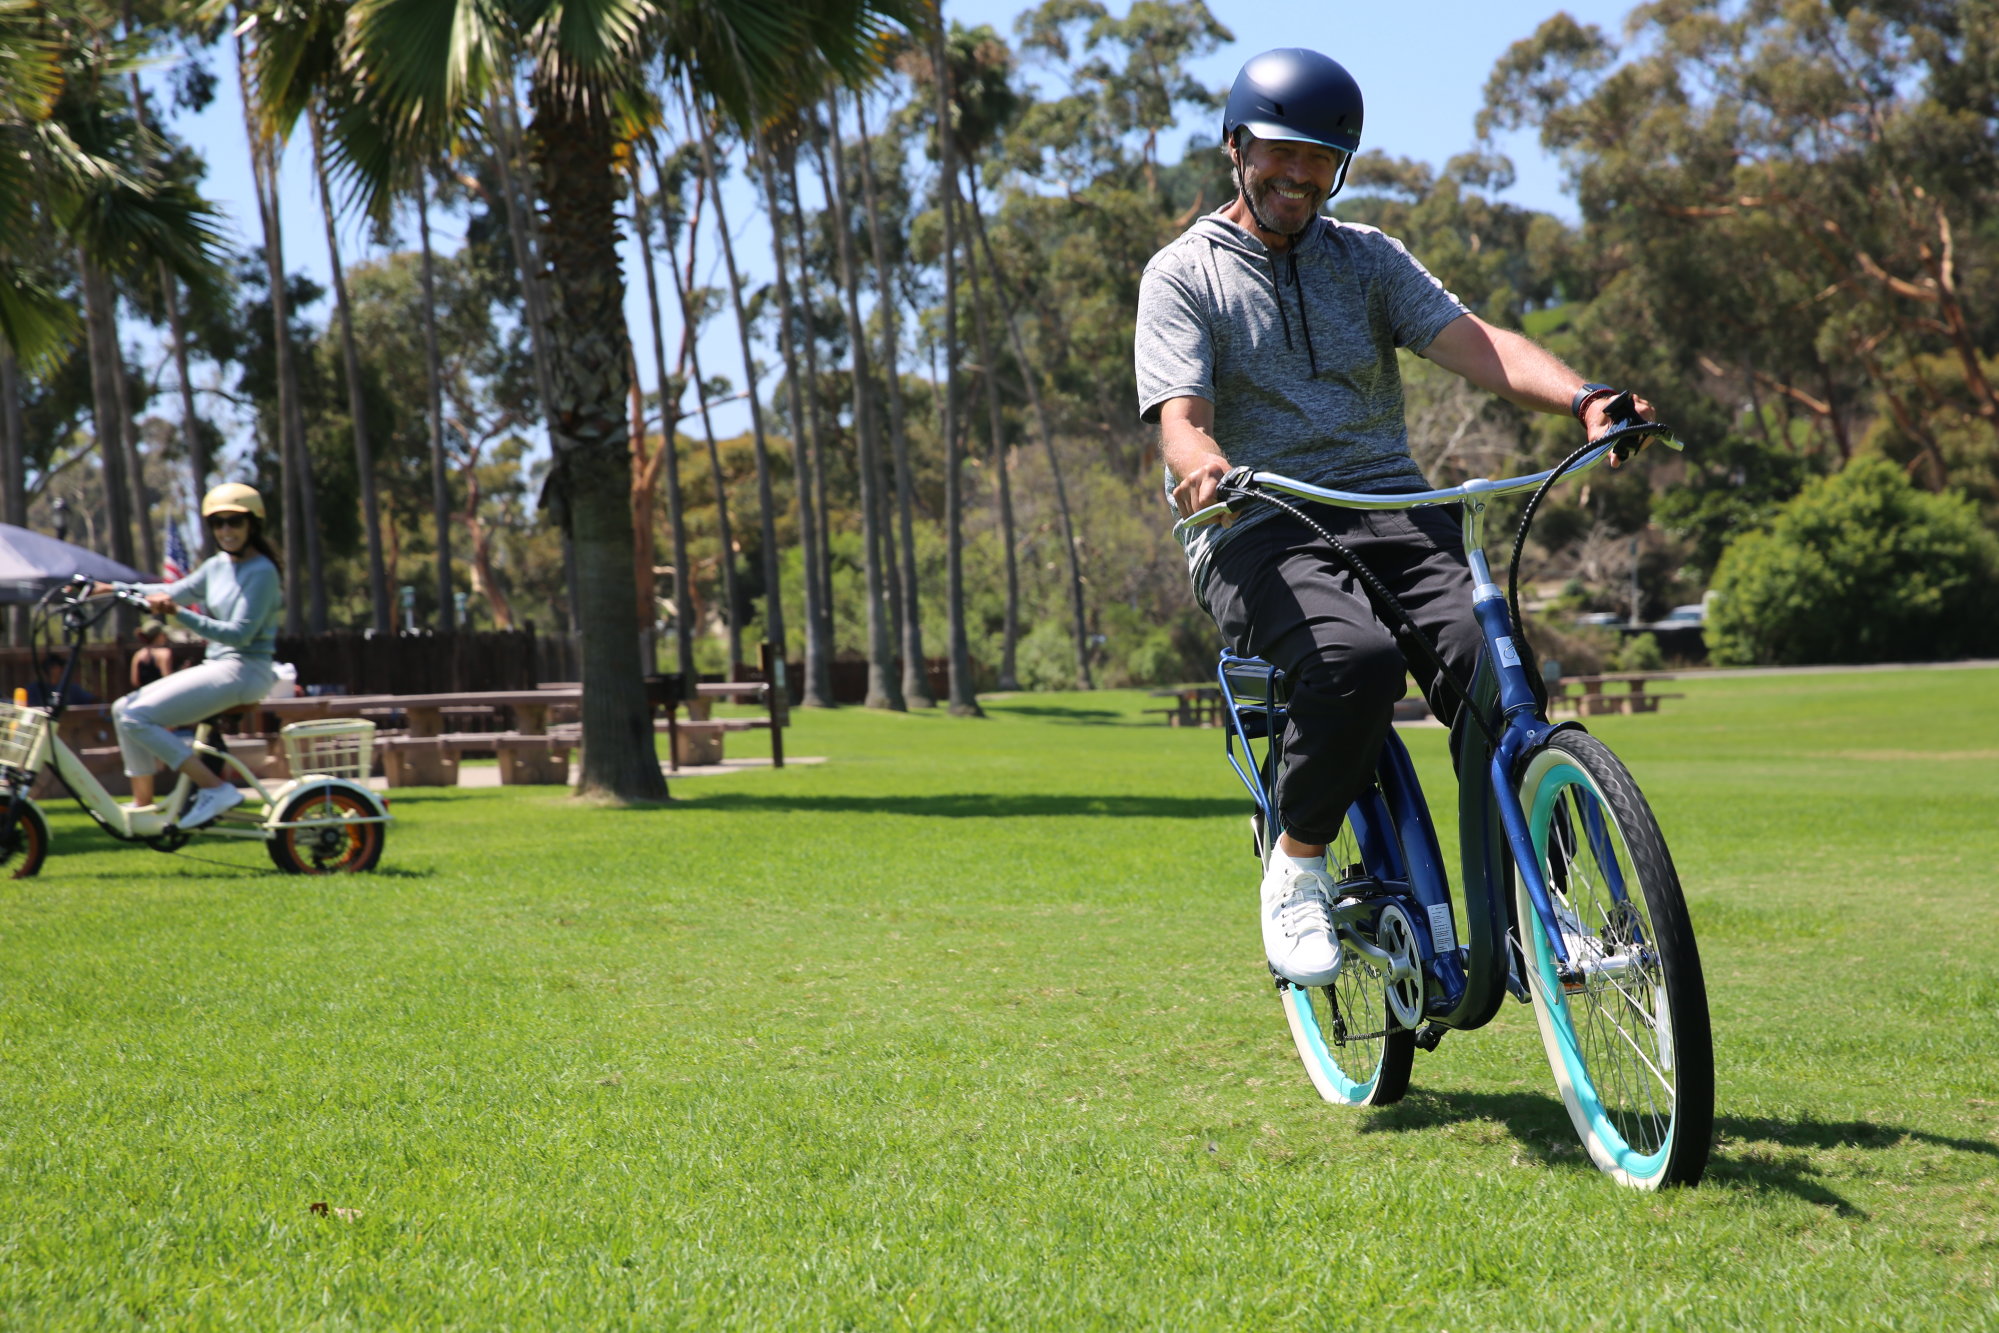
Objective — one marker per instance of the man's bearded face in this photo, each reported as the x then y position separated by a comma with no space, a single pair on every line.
1286,183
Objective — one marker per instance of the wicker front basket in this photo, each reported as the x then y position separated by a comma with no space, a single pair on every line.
339,747
20,734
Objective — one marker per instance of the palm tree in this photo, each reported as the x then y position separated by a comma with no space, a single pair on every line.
884,689
915,673
440,485
691,320
963,701
381,613
79,172
417,77
1002,485
300,503
816,690
668,457
766,504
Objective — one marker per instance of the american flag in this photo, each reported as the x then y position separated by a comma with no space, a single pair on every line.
175,568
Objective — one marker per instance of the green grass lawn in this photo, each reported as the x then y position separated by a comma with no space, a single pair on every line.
969,1026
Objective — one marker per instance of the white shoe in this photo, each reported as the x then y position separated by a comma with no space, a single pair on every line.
208,803
1298,936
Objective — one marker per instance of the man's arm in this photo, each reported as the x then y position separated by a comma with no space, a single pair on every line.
1518,370
1187,447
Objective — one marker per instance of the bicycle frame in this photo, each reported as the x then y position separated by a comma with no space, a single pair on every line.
1469,993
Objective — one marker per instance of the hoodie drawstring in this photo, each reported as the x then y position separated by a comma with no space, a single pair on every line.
1304,318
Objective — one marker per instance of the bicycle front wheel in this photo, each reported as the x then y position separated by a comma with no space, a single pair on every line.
1346,1035
1626,1031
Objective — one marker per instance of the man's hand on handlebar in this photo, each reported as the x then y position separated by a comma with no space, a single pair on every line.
1196,490
1613,410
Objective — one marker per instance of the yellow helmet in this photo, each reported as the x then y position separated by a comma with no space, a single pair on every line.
232,497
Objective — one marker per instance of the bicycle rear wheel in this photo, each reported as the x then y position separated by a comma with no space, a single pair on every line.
1627,1035
1352,1049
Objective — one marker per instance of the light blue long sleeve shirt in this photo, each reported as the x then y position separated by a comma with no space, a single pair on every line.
241,600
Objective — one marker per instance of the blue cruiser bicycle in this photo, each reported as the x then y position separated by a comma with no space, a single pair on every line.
1570,901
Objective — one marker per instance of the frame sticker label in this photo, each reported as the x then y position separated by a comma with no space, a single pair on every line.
1442,938
1508,654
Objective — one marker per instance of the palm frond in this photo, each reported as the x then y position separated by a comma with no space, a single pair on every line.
31,74
36,322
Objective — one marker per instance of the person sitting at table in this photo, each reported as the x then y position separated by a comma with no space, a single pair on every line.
241,589
154,658
42,691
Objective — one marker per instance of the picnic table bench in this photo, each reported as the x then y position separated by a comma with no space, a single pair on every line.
1595,695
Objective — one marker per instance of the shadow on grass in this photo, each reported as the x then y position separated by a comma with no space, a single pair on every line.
1093,717
1755,1153
972,805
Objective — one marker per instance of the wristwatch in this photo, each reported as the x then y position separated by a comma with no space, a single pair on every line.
1585,395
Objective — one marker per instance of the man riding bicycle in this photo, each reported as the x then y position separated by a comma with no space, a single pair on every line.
1266,338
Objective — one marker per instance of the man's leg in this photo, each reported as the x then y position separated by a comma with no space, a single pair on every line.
1278,594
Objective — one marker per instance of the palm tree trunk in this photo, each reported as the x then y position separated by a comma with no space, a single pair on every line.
100,322
147,549
683,575
1028,377
381,612
963,701
819,445
196,443
293,482
440,484
13,471
727,558
1002,484
575,149
816,690
766,503
884,689
915,674
505,122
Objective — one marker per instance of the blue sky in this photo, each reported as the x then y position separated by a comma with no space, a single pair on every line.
1422,67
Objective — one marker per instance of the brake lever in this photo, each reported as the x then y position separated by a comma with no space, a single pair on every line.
1623,411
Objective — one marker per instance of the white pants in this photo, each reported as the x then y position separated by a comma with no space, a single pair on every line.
146,717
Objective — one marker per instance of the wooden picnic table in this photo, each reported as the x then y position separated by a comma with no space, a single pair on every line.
426,755
1193,705
1597,694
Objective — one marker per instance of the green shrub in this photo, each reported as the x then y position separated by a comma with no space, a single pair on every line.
1641,653
1859,567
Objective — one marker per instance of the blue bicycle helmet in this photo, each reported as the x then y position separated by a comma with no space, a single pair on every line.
1298,95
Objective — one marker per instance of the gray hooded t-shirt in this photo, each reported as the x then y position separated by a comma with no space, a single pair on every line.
1296,351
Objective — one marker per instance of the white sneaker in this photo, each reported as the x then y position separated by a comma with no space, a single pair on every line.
1298,936
208,803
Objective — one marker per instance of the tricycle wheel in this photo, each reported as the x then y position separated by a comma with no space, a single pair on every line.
333,847
27,846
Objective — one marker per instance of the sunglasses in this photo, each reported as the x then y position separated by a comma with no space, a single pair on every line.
229,521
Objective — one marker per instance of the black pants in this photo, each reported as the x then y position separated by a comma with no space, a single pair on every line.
1277,592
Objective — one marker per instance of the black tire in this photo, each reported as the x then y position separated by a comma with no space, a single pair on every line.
1628,1038
330,849
25,849
1351,1047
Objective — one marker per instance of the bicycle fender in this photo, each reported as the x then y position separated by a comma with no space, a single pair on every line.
1485,874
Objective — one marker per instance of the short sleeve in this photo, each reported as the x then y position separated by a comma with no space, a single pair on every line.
1419,306
1173,347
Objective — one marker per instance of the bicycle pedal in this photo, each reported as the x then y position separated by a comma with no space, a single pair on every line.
1430,1034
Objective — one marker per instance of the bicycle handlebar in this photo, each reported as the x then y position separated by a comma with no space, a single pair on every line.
1239,480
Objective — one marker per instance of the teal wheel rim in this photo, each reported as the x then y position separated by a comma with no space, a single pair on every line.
1638,1164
